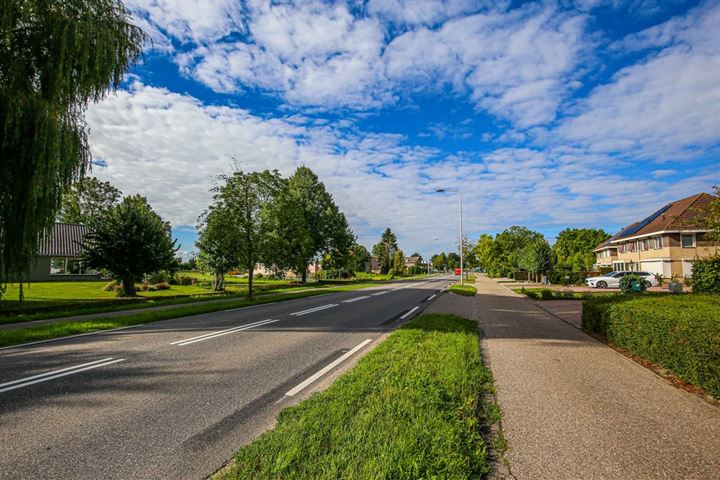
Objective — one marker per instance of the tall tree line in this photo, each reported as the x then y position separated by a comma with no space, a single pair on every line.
262,218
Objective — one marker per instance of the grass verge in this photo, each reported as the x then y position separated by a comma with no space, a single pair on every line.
549,294
67,328
680,333
467,290
411,408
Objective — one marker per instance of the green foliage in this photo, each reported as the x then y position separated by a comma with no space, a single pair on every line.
87,199
466,290
679,332
55,58
385,250
546,294
706,275
453,260
499,257
411,408
129,240
536,257
629,283
574,248
218,242
399,262
660,278
439,261
688,280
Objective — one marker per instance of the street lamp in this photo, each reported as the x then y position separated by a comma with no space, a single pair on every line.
428,258
457,190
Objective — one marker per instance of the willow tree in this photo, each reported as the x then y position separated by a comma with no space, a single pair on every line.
56,56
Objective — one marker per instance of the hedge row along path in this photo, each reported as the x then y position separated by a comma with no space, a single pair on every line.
574,408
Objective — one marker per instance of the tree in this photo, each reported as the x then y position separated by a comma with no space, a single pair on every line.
574,248
359,260
712,219
218,243
536,257
486,253
399,262
317,223
245,195
385,250
508,244
470,259
453,261
129,240
87,199
55,57
439,261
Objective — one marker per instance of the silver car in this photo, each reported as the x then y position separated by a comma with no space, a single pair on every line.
612,279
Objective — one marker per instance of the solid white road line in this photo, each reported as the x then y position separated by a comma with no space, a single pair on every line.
380,293
432,296
217,331
241,328
24,382
329,367
408,313
316,309
356,299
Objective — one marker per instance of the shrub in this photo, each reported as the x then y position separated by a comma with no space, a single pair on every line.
679,332
546,294
706,275
163,276
142,288
688,280
259,276
162,286
626,283
111,286
186,280
532,294
660,279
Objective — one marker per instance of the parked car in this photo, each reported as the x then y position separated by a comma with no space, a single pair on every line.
612,279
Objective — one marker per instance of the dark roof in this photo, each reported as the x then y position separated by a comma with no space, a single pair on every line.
63,241
683,214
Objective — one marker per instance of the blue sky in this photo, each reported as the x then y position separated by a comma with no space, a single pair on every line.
561,114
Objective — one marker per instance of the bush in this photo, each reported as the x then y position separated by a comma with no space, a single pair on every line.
162,276
162,286
259,276
688,281
546,294
706,275
111,286
627,282
186,280
679,332
532,295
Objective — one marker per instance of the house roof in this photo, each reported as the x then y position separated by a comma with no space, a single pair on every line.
412,259
64,240
683,214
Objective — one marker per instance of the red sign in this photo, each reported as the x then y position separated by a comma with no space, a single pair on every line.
457,271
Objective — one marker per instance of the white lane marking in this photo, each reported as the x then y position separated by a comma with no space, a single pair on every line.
356,299
329,367
408,313
53,372
218,331
432,296
99,332
380,293
312,310
58,373
225,332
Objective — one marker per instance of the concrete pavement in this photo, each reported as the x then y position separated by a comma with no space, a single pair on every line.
174,399
573,408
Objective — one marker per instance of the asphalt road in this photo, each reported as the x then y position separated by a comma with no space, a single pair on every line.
174,399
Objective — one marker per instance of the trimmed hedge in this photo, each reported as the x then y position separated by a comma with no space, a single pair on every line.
679,332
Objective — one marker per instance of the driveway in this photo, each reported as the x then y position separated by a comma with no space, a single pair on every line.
573,408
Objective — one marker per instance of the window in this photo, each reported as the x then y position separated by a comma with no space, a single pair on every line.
69,266
646,244
57,266
687,240
657,242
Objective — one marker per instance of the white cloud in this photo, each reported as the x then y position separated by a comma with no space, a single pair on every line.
665,107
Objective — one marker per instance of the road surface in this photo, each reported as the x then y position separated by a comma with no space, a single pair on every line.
174,399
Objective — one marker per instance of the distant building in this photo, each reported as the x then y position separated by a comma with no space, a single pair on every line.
60,255
374,264
666,242
412,262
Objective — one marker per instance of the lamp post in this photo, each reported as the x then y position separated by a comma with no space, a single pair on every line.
462,269
428,258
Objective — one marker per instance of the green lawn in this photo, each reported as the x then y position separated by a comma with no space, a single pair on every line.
411,408
467,290
65,328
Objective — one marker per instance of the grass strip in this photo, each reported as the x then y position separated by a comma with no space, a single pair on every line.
411,408
66,328
549,294
467,290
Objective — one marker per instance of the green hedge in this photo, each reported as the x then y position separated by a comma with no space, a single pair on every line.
679,332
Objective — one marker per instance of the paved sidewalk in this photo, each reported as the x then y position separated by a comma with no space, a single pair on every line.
572,408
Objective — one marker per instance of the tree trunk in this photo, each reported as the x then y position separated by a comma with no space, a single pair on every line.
250,283
219,284
129,285
304,275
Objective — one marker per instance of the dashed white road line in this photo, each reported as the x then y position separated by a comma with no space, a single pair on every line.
380,293
312,310
432,296
409,312
356,299
326,369
44,377
220,333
